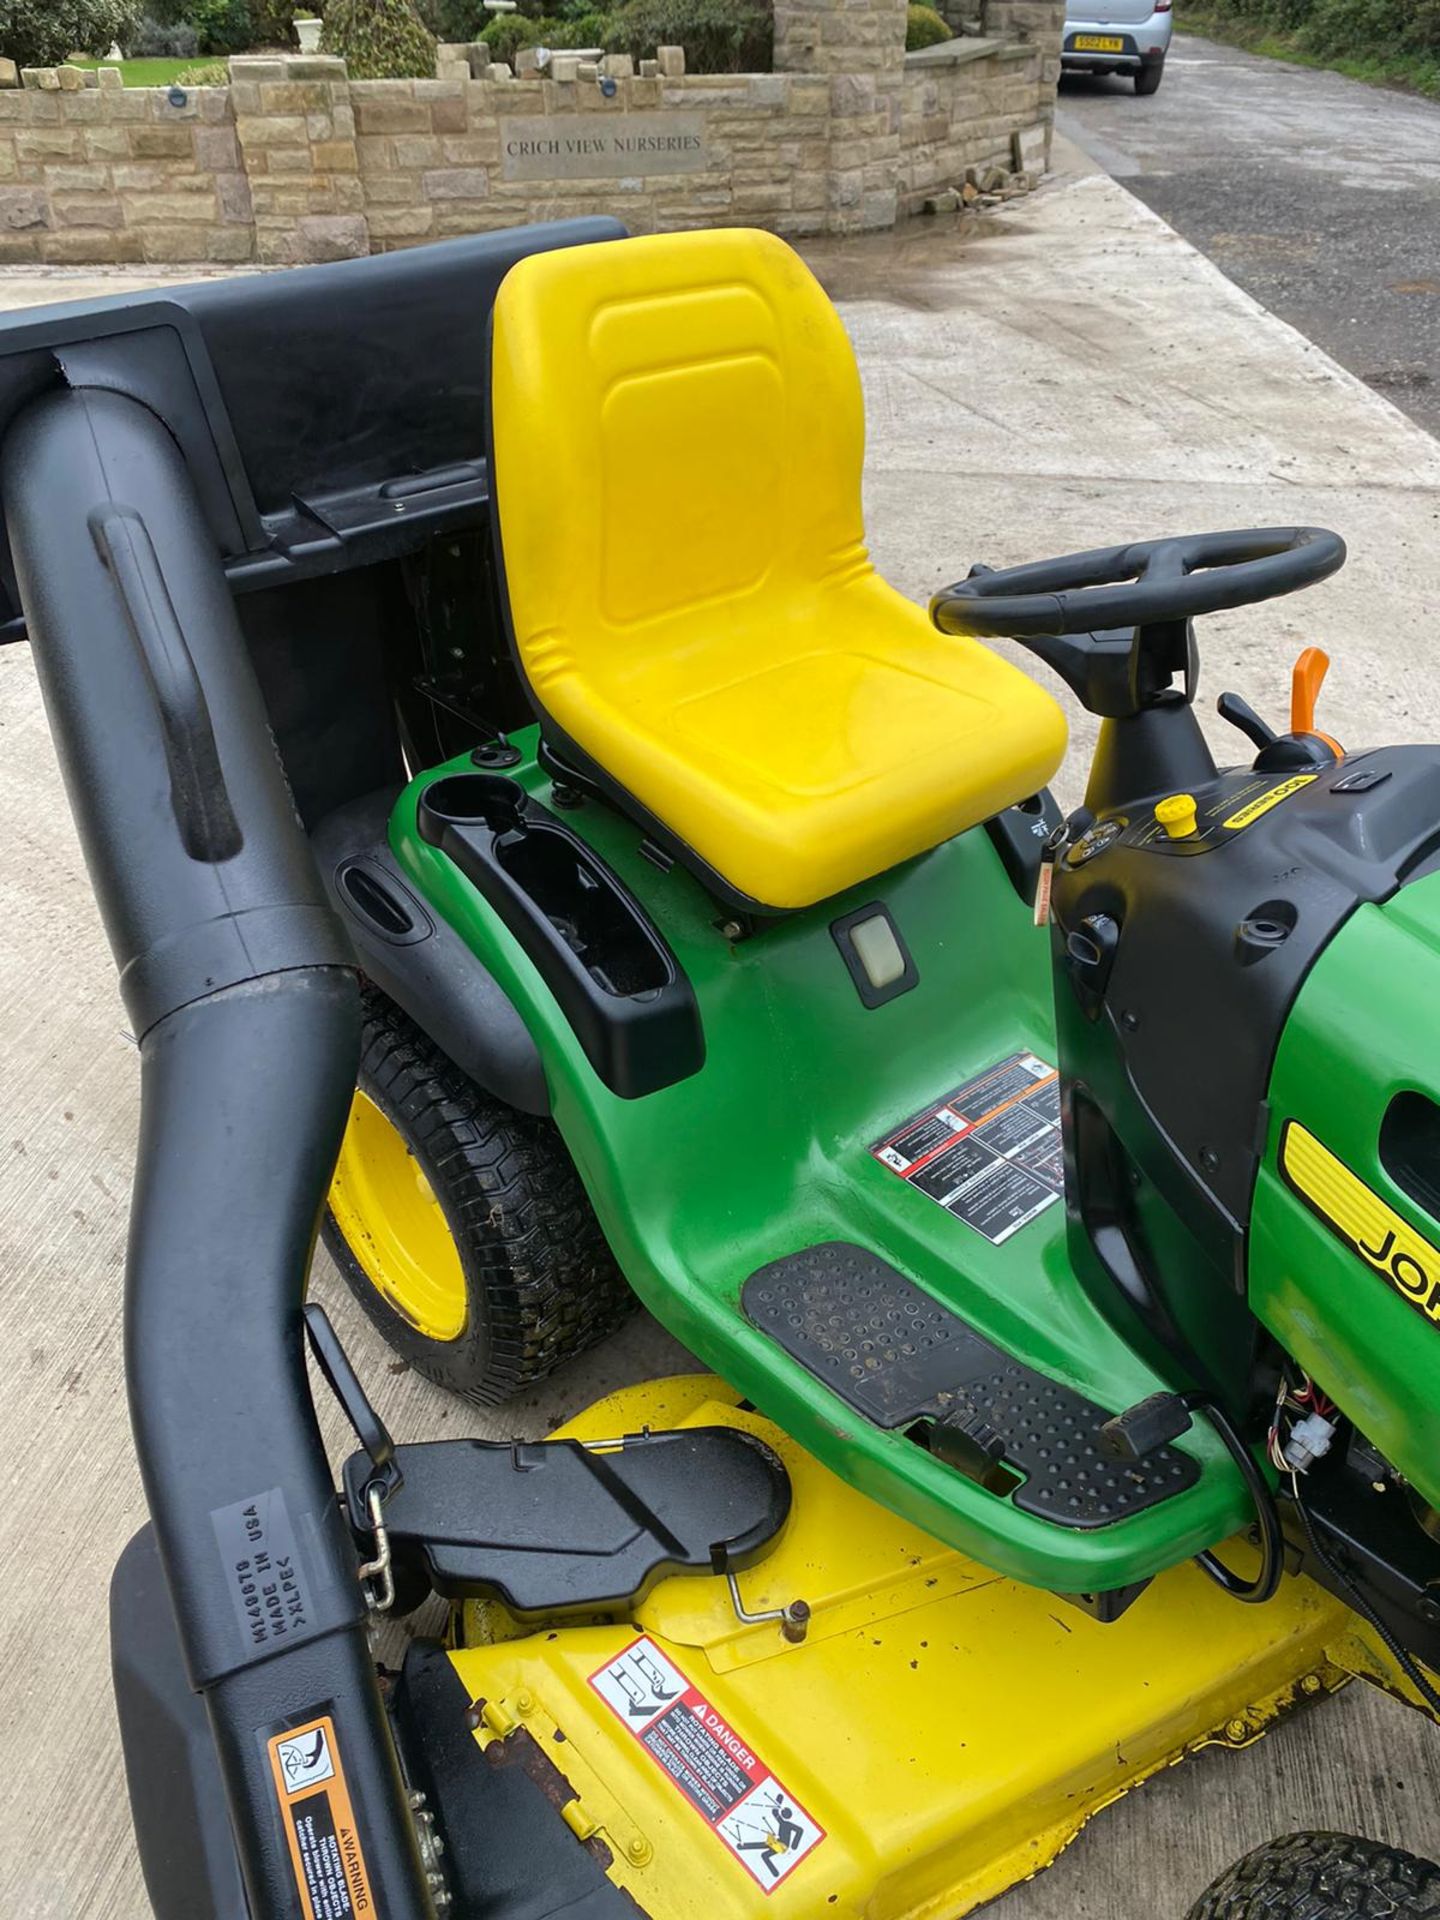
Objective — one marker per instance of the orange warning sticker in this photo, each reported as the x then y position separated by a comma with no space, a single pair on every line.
319,1820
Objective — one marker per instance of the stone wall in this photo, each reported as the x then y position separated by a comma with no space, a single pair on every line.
961,108
293,161
121,175
856,36
433,154
295,127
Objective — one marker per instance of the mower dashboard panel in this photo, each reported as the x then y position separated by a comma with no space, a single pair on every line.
1232,938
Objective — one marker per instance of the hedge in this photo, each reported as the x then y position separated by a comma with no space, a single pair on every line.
1362,29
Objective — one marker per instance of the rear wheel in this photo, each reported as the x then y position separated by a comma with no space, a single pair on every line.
1148,77
461,1225
1323,1876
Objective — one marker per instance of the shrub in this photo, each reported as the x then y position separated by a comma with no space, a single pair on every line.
719,36
505,33
458,21
465,21
512,31
43,33
211,73
925,28
1374,27
274,21
224,26
578,30
153,39
380,39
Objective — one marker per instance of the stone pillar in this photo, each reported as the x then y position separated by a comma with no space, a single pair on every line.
1039,24
860,46
839,36
296,132
1034,22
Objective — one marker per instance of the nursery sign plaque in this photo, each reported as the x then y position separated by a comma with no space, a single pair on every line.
593,146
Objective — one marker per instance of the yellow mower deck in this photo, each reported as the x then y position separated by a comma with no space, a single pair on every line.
939,1735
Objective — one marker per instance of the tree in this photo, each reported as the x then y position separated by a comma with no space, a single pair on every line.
43,33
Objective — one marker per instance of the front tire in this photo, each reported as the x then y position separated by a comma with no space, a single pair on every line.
1148,78
1323,1876
461,1226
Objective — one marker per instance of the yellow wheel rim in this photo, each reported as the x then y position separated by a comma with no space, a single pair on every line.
395,1227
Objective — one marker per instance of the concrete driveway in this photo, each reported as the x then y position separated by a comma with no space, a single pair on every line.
1318,195
1072,375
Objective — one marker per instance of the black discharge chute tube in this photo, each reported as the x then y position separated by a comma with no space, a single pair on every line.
239,987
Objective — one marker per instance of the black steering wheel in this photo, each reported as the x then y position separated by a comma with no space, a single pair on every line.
1146,584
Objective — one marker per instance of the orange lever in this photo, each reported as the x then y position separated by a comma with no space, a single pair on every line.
1305,683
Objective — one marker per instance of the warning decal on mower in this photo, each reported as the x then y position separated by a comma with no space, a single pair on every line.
990,1151
325,1850
737,1796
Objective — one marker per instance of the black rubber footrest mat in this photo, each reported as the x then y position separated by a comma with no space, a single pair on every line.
896,1355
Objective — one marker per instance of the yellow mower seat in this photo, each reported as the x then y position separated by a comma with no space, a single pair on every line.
678,440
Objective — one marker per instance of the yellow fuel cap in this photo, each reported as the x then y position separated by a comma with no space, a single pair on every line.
1177,815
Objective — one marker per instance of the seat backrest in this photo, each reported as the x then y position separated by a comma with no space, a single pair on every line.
678,436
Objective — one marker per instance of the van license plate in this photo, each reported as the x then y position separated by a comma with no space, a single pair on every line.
1099,43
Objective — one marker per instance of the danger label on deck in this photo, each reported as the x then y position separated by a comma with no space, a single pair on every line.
990,1151
751,1812
326,1856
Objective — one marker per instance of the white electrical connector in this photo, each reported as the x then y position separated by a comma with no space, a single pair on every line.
1309,1441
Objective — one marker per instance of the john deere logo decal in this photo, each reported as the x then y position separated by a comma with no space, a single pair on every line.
1387,1244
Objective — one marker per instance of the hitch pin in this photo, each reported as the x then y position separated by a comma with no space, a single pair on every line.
379,1569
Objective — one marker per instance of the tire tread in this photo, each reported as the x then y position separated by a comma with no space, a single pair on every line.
549,1288
1323,1876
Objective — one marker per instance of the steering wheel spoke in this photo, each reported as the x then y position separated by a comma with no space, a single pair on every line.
1072,611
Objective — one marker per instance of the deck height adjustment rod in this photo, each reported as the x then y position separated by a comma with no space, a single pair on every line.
794,1619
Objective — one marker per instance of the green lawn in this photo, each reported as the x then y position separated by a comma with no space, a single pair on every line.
145,73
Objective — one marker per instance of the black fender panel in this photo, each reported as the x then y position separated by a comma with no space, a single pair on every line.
177,1798
419,960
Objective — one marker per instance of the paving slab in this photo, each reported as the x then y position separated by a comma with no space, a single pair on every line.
1319,194
1066,374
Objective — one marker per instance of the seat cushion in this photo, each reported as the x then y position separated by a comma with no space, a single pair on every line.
678,439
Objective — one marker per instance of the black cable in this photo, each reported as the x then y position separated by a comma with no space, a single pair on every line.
1362,1604
1272,1539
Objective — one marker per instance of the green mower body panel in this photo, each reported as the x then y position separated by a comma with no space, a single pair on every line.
767,1149
1344,1267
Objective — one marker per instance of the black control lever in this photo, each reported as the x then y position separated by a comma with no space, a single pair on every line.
1241,714
1278,752
369,1429
1143,1429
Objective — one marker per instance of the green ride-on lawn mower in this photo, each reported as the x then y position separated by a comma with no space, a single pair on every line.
1057,1200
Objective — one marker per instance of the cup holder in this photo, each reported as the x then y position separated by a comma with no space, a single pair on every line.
590,939
472,800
